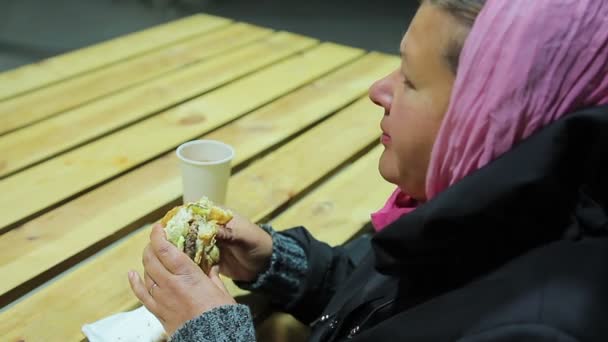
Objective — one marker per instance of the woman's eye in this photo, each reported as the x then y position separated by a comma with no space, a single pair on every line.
408,84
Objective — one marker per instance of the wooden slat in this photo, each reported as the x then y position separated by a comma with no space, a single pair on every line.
54,69
338,209
49,137
316,152
56,314
47,241
99,286
271,124
55,180
34,106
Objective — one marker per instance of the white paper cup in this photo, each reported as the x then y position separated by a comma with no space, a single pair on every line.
205,166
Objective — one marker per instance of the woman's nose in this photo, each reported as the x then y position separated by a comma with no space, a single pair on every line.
381,92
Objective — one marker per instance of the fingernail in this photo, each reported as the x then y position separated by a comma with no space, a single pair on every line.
131,275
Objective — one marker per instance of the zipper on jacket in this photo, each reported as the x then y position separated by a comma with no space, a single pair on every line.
354,331
322,319
325,326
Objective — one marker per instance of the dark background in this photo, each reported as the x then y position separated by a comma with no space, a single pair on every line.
31,30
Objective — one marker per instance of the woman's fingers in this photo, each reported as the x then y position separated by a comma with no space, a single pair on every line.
154,268
141,292
226,234
149,282
173,259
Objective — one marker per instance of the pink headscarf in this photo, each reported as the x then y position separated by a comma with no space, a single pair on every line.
525,64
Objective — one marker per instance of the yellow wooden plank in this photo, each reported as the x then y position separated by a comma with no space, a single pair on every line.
57,314
23,147
99,286
301,161
34,106
271,124
52,238
57,179
338,209
54,69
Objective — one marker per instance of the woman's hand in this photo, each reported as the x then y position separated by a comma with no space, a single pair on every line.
245,249
174,288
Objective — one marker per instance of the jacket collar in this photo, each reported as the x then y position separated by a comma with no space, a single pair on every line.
552,186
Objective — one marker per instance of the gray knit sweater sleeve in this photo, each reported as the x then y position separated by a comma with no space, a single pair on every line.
225,323
287,269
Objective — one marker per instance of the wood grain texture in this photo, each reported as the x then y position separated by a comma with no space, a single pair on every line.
57,179
99,285
74,92
339,208
308,105
49,240
277,178
33,76
52,136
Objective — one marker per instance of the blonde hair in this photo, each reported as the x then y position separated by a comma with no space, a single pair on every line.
465,12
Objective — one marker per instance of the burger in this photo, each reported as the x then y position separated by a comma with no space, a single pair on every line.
192,228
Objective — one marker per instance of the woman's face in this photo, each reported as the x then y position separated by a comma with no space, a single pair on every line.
415,98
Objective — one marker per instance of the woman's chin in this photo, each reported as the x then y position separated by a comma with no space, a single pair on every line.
387,171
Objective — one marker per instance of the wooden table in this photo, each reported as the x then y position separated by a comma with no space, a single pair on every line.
87,161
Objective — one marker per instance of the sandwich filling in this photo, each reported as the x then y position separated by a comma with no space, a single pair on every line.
192,229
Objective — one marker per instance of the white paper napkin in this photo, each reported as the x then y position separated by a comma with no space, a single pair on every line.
137,325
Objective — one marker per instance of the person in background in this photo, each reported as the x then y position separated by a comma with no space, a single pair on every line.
495,129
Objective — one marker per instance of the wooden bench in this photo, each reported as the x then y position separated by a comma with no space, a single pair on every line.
87,161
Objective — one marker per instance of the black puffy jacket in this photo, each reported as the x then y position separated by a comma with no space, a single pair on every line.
517,251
